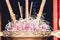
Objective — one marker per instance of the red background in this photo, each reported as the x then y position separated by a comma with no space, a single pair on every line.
59,11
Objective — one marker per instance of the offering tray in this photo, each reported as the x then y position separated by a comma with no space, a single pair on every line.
26,35
29,35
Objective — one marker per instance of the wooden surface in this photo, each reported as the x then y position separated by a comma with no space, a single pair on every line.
36,38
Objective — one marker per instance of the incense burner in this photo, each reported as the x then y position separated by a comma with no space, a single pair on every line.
28,28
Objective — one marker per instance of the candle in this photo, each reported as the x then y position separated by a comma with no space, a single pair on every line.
41,9
10,10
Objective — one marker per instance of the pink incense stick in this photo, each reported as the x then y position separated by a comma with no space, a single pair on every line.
20,9
10,10
41,9
27,12
31,8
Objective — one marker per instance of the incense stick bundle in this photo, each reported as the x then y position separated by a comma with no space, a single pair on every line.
41,9
31,8
27,13
20,9
10,10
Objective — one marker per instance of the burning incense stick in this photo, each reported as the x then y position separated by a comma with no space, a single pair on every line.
20,9
41,9
27,13
10,10
31,8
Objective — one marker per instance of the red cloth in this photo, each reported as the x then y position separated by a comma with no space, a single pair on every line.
59,8
59,11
